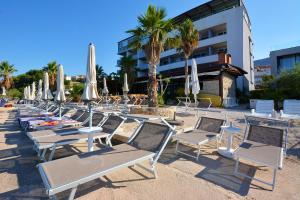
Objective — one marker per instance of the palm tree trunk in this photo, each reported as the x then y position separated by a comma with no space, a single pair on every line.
186,68
152,86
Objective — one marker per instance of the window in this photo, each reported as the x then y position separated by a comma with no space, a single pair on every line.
287,62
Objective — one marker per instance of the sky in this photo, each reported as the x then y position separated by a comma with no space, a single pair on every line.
35,32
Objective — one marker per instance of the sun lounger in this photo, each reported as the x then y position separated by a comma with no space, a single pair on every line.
83,119
42,144
206,130
291,109
263,108
264,146
146,144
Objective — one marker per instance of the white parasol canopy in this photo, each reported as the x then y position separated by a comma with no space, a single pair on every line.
46,93
105,89
90,92
125,85
60,87
3,91
40,91
195,80
33,91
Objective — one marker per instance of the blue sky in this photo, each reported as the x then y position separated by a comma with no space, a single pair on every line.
34,32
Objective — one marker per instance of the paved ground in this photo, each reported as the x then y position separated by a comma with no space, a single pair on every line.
178,177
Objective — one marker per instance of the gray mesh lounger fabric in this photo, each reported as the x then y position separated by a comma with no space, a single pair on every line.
206,129
260,153
88,164
65,130
210,124
147,143
264,146
42,133
195,137
97,118
44,143
152,139
58,140
77,114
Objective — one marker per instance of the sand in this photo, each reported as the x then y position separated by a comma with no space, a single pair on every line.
179,177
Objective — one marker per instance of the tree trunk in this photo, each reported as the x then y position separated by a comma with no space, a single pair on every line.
186,68
152,87
7,82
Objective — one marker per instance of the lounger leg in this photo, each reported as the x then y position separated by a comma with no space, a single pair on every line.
274,179
52,154
236,166
281,159
72,194
43,155
153,167
176,149
198,154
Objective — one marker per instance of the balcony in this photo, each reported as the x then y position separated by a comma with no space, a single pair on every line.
199,60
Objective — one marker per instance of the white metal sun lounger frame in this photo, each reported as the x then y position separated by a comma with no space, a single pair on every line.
74,126
218,137
282,155
153,158
263,108
41,151
291,109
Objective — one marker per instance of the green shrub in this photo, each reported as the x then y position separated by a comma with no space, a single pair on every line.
77,91
160,100
14,93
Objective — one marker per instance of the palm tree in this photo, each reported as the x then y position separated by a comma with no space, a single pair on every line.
151,35
187,41
51,68
6,70
127,65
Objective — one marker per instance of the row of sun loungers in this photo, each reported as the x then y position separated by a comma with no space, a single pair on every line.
262,145
265,108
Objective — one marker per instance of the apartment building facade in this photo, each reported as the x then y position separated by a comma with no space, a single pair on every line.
224,28
280,60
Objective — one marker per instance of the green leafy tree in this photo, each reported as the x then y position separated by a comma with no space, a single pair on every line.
23,80
51,68
127,65
14,93
151,35
186,41
77,91
6,70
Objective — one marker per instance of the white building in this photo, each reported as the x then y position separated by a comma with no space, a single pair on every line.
68,78
224,27
260,72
